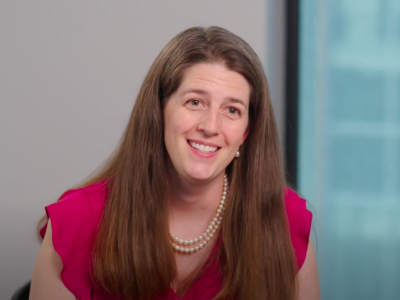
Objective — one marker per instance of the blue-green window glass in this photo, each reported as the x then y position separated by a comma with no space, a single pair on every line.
349,143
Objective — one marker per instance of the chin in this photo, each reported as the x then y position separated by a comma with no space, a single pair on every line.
201,174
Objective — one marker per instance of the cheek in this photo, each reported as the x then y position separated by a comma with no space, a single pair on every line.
236,134
234,137
177,125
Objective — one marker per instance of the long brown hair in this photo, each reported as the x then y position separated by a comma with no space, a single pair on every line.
132,254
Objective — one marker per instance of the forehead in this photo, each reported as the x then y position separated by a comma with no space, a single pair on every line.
215,79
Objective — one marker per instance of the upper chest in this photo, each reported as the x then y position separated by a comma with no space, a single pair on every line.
190,264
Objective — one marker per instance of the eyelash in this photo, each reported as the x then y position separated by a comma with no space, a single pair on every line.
193,100
237,111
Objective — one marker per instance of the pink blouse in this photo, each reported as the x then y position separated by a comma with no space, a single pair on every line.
76,216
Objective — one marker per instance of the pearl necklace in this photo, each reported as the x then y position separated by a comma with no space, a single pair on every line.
199,242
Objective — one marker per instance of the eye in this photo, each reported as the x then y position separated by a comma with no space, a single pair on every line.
233,111
194,102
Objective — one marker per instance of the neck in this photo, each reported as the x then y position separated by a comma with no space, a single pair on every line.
185,195
193,214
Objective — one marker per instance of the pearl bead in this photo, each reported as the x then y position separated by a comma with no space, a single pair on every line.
204,238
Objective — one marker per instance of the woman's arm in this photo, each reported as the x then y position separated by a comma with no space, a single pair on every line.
46,280
308,276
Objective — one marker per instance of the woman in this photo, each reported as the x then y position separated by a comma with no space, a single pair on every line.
192,204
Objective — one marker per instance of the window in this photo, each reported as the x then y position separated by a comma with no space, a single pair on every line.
349,143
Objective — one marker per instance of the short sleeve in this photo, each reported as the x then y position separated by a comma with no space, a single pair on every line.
300,219
73,236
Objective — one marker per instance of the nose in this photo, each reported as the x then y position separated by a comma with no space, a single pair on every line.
210,122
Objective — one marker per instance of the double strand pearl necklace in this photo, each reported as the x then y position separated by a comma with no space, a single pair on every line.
191,246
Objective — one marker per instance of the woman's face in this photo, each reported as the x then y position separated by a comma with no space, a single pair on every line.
205,121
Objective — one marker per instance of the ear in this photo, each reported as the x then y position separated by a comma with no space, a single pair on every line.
245,135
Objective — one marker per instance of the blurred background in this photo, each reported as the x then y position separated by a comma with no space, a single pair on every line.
348,153
70,72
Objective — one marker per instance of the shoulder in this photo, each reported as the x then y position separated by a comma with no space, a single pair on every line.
300,219
75,216
78,206
74,222
296,209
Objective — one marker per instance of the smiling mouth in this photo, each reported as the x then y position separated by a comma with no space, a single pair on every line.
203,148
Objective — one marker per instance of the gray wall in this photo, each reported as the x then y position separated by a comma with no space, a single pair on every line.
69,74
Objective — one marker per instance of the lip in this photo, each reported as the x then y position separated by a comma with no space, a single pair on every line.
203,154
204,143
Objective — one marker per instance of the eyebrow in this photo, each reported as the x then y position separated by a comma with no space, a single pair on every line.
205,93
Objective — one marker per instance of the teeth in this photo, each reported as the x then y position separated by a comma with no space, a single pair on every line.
203,148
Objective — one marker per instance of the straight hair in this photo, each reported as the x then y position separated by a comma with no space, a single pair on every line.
132,255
